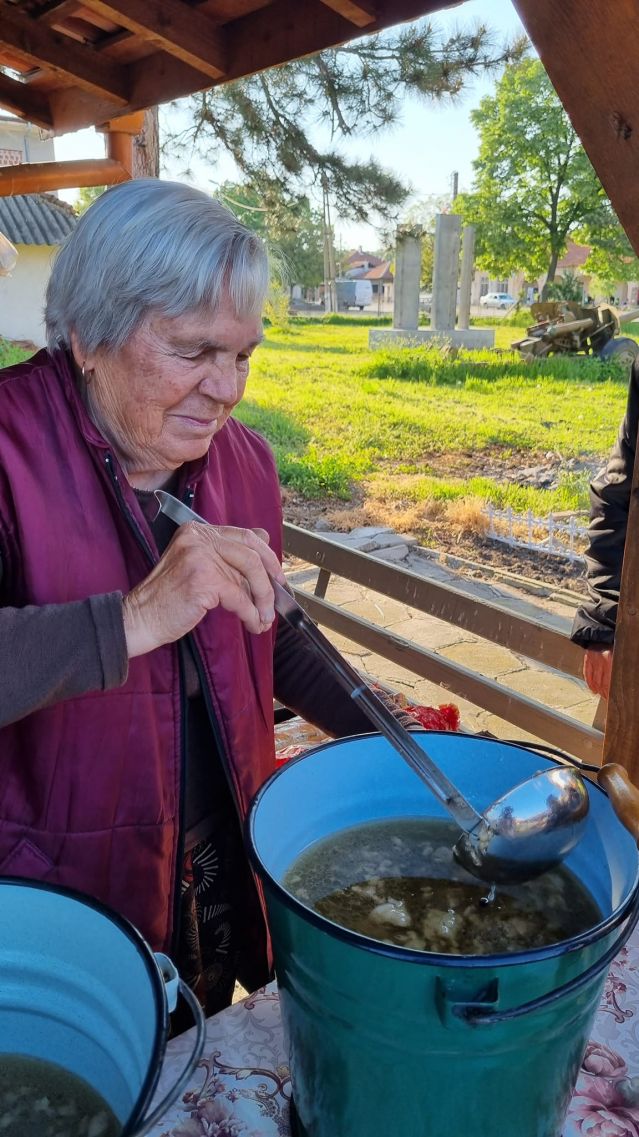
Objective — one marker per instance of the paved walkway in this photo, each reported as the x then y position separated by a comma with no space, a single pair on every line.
506,667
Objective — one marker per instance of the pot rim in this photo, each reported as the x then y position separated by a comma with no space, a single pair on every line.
143,949
411,955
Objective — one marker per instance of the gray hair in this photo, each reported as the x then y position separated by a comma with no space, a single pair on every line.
149,245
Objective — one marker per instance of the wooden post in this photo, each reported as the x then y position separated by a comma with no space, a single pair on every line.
119,138
621,740
146,147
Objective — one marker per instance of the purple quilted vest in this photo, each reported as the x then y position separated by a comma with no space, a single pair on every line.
90,787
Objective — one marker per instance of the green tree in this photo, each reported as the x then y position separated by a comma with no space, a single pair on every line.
283,127
86,196
293,229
612,257
534,186
566,287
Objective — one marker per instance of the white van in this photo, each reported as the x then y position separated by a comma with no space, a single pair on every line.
354,293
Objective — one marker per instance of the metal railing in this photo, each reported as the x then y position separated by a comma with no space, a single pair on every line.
480,617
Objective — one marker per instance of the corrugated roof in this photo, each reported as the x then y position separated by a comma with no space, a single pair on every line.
35,219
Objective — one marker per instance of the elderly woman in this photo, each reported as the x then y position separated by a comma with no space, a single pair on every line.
138,662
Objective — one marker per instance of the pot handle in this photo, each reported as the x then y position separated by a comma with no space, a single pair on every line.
174,983
623,795
613,779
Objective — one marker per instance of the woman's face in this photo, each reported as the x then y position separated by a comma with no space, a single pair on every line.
160,399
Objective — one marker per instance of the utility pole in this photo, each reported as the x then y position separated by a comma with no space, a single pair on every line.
455,184
330,292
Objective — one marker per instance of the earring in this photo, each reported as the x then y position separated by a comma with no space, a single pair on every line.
86,375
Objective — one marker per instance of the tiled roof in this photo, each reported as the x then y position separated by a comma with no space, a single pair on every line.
35,219
575,256
359,257
380,272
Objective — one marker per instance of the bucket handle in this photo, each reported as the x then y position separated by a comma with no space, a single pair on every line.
172,1094
475,1015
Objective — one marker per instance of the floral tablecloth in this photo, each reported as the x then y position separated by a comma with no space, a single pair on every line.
241,1087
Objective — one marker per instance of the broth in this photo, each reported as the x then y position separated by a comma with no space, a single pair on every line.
398,882
40,1099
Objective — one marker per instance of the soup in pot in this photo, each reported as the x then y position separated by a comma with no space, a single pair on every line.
398,881
40,1099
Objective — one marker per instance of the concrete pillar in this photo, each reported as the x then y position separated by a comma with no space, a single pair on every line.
408,263
445,272
466,277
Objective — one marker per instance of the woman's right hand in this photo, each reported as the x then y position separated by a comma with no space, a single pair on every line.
204,567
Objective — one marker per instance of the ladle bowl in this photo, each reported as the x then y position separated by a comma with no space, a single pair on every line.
528,830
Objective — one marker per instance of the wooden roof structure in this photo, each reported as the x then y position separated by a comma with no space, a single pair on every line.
82,62
66,64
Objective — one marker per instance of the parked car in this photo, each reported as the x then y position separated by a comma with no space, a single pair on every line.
497,300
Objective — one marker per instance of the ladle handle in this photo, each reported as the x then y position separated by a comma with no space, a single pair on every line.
623,795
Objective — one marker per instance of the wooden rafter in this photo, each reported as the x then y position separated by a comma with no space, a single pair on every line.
288,29
27,104
358,12
43,46
172,27
68,48
54,13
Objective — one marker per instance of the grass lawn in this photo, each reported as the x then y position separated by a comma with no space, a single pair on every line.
426,430
400,424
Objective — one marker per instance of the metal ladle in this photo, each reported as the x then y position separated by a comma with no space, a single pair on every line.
521,835
524,833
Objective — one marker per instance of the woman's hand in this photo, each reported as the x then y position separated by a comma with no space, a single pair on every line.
204,567
598,670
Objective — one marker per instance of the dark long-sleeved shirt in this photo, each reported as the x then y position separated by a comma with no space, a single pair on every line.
59,651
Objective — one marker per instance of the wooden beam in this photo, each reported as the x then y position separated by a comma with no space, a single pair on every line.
26,103
254,42
172,27
48,48
589,51
362,13
57,12
42,177
552,726
289,29
518,633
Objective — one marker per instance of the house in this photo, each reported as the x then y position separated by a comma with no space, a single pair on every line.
573,260
357,263
36,224
382,279
360,265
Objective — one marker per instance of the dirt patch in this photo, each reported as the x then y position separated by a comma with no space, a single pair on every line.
436,534
521,467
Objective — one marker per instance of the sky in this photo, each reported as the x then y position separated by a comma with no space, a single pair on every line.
431,142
